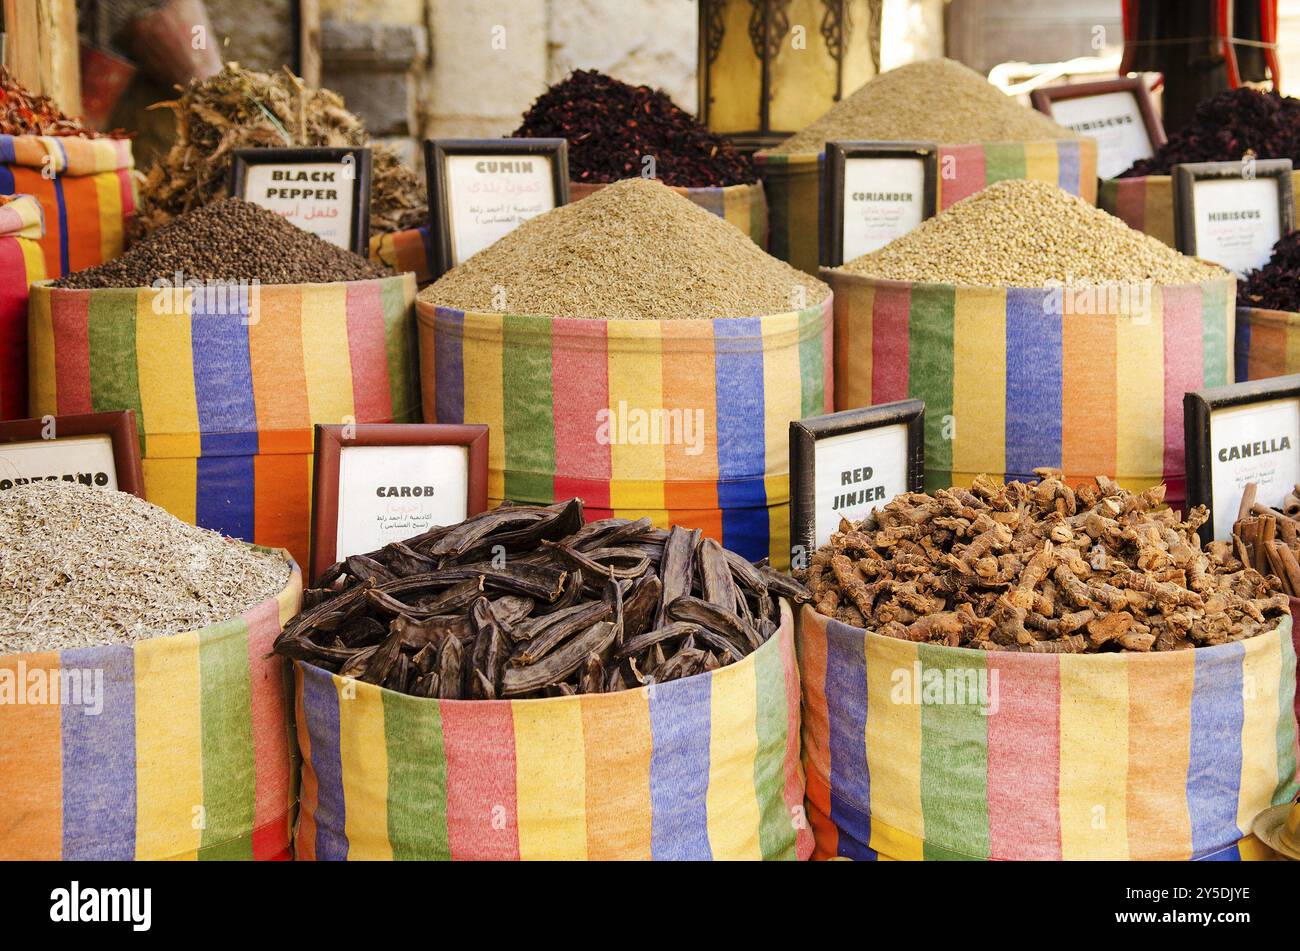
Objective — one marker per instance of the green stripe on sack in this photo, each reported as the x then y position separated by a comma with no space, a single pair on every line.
229,761
1215,345
1108,195
930,373
775,831
954,757
812,364
528,409
114,377
417,778
1003,160
400,343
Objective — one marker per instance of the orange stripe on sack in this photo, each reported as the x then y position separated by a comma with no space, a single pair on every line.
617,742
31,807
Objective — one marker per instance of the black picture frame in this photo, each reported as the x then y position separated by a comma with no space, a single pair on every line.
436,152
1199,407
1045,97
838,155
1187,175
804,436
359,236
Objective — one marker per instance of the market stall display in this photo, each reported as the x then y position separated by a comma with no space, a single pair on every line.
1227,127
147,644
636,351
984,137
22,225
1008,750
616,130
1039,331
643,649
227,374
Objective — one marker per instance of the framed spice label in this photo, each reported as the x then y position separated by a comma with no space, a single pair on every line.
1116,112
875,192
1237,434
1232,213
321,190
846,464
482,189
376,483
94,449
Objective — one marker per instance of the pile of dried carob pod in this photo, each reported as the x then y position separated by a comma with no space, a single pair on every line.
1269,540
527,601
1041,567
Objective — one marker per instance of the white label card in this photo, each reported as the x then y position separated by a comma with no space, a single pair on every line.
389,493
1254,443
884,198
315,196
490,196
84,459
1237,221
855,473
1114,119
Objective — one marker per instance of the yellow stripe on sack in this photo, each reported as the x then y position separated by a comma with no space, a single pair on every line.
484,399
172,484
979,368
33,260
782,394
778,521
108,193
327,365
168,748
893,742
1140,397
1042,163
1261,672
550,779
42,389
1094,751
165,361
363,763
731,802
636,382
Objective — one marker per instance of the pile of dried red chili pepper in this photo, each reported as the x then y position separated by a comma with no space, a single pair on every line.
23,112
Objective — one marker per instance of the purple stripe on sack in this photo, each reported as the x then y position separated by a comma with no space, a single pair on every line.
846,701
742,446
1033,381
449,365
8,154
1218,715
223,379
680,729
224,496
320,702
7,186
99,754
1067,164
64,267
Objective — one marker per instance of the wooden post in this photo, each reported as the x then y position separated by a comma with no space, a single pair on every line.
309,42
42,49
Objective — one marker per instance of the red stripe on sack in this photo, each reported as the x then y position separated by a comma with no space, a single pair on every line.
70,318
1184,371
1131,202
482,810
372,399
304,839
890,314
961,172
270,741
794,787
579,392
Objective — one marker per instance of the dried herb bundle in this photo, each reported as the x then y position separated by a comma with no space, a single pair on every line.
1268,540
1040,567
238,109
527,601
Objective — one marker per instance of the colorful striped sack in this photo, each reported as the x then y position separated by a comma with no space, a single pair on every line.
919,751
226,400
1016,378
699,768
1268,343
793,184
189,757
744,206
88,198
571,405
404,251
1146,203
22,224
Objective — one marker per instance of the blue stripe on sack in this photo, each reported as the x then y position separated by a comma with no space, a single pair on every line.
846,706
1231,854
99,793
1033,381
320,705
449,365
63,225
7,186
8,154
1067,165
1242,351
680,730
747,531
223,378
1217,719
224,495
742,446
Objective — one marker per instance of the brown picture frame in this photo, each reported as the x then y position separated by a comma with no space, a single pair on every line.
1187,175
839,154
1043,98
329,444
436,152
118,426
